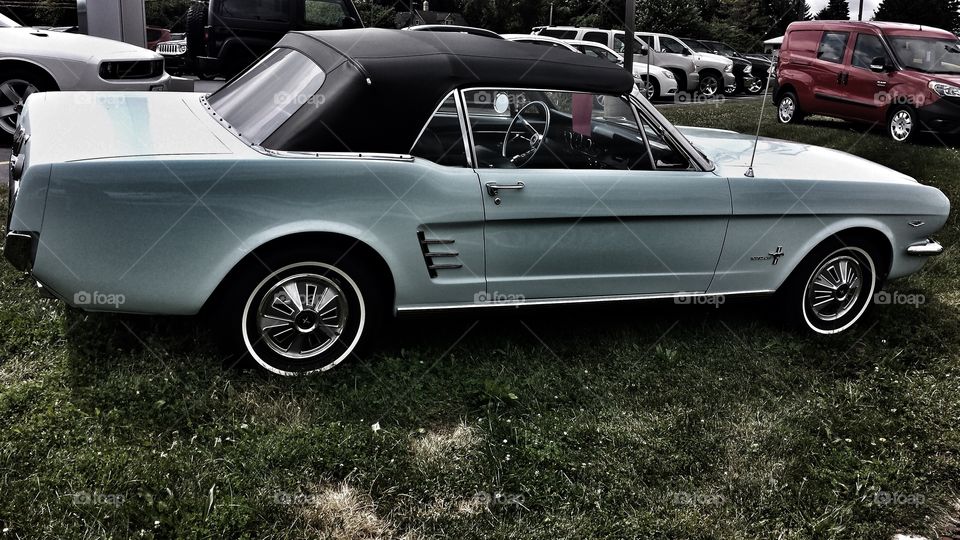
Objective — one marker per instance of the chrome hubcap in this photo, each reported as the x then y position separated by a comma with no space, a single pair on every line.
709,86
649,91
755,86
13,93
835,287
787,108
302,316
901,125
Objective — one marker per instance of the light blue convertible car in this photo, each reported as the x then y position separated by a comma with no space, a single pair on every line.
354,174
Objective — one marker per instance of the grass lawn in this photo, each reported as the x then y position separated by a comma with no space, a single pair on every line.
646,420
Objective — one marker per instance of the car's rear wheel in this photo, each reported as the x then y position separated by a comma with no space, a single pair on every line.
16,85
300,312
902,124
833,287
788,109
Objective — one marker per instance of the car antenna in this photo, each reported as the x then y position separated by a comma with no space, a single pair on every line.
756,141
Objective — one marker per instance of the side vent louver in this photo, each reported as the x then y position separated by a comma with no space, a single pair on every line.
433,258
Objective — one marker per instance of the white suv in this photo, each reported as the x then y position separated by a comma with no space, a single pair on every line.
663,84
684,69
716,72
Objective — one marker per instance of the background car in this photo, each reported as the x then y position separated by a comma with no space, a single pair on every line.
716,72
904,77
742,68
225,36
662,82
174,54
33,60
536,174
685,70
761,66
455,28
156,35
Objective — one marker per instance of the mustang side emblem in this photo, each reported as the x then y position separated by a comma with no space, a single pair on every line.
775,255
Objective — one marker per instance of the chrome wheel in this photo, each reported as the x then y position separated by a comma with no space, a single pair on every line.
786,110
755,86
649,90
13,92
302,316
835,287
709,86
901,125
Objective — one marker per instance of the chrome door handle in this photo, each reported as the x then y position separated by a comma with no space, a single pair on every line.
494,188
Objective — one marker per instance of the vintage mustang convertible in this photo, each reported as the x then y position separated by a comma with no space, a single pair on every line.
353,174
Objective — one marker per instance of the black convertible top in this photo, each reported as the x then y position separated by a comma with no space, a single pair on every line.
382,85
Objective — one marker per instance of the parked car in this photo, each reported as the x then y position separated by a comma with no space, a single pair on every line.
653,90
742,68
33,60
685,70
510,175
662,83
716,72
905,77
454,28
174,53
225,36
761,67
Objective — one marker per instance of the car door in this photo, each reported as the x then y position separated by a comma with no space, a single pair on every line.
868,91
829,73
602,208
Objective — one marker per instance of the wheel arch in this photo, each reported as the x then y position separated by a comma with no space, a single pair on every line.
783,89
877,235
349,245
23,63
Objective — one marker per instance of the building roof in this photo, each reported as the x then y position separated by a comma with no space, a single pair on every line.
382,85
419,17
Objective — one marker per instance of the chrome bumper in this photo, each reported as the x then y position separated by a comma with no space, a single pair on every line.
926,248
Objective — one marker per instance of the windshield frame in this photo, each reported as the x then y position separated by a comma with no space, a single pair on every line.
892,46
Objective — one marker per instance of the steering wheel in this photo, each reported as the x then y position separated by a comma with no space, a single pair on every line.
535,138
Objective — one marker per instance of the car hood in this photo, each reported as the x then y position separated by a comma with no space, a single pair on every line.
785,160
73,126
711,58
27,42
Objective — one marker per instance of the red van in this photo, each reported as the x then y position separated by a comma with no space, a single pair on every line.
906,77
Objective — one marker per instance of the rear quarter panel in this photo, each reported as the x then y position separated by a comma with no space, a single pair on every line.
164,233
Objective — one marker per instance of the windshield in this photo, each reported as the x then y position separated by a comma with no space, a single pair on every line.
697,46
927,55
724,49
261,99
6,22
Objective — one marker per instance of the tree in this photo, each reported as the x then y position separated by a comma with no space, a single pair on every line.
835,10
939,13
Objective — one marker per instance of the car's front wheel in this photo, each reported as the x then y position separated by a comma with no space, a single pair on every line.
301,312
650,89
902,124
16,85
833,287
710,85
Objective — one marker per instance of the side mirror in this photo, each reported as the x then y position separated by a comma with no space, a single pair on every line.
878,64
686,52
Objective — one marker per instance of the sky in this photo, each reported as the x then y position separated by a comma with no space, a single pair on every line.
869,6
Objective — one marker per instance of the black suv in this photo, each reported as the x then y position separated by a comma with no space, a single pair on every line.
761,66
225,36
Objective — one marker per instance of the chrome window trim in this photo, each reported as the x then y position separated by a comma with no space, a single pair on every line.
654,117
460,114
468,147
290,154
579,300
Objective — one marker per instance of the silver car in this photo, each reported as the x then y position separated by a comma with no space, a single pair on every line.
322,191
